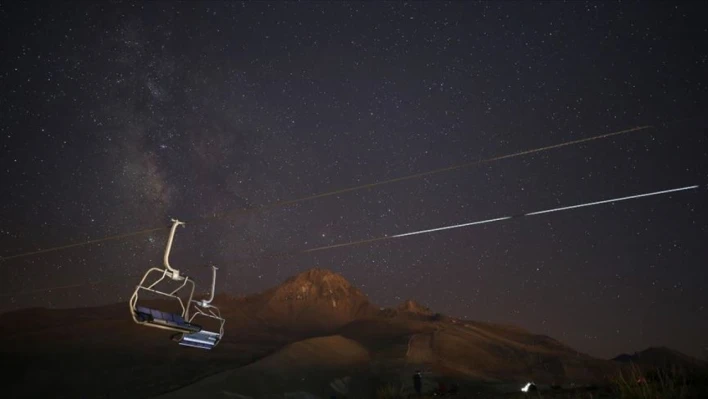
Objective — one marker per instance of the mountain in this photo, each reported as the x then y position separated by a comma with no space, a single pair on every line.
303,334
311,303
661,357
623,358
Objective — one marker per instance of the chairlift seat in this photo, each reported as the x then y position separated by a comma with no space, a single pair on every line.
197,345
172,320
202,339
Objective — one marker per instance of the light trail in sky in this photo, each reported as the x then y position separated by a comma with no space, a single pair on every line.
388,237
563,208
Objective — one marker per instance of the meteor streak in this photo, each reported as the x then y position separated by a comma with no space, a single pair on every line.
499,219
612,200
564,208
387,237
452,227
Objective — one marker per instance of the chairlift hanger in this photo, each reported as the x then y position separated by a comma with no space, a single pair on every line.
204,339
158,319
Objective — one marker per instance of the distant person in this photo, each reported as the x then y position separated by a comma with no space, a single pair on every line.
417,382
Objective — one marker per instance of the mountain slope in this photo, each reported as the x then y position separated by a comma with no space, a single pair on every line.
661,357
307,365
315,323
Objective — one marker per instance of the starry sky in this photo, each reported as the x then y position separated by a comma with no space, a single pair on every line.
118,116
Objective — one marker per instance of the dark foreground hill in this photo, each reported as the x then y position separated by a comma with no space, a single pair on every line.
659,362
305,334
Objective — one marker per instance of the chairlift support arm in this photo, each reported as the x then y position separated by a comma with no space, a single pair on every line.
207,303
168,249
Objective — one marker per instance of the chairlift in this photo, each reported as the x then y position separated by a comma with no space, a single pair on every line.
158,319
204,339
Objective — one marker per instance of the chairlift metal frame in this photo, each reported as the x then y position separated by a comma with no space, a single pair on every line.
204,339
164,320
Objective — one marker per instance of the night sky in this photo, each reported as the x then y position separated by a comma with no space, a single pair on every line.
116,117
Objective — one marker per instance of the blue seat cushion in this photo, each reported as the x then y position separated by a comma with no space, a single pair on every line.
174,320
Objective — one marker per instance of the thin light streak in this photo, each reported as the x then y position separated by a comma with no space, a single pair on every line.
265,207
457,226
387,237
611,200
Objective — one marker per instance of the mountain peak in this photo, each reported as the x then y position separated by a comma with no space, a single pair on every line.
316,299
318,275
320,282
318,285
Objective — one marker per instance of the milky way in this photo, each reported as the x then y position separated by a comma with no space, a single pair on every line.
117,117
